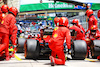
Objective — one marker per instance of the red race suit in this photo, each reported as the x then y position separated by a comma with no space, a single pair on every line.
80,33
92,21
90,37
57,41
5,27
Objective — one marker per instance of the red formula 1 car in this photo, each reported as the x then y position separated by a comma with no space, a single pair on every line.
35,47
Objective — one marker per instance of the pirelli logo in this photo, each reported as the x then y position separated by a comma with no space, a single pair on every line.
48,30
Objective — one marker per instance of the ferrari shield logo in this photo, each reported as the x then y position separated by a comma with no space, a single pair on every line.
55,28
55,35
2,22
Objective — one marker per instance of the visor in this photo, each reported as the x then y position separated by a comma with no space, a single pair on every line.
85,14
73,23
93,30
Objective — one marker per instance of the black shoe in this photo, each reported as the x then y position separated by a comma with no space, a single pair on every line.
52,64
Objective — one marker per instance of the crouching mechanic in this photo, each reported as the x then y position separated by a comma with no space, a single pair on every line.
93,35
13,30
78,25
80,35
57,41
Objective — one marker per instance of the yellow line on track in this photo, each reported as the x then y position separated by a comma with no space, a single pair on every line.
91,60
17,57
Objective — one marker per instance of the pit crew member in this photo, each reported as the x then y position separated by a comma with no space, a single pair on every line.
94,34
57,40
92,20
4,32
80,35
13,30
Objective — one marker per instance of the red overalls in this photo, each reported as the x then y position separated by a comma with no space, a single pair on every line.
92,37
57,41
80,26
53,52
5,27
92,21
4,37
80,34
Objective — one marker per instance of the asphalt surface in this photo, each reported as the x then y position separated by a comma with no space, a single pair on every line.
13,62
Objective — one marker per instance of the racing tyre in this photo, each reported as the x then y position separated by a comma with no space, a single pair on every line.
95,49
79,49
32,49
20,45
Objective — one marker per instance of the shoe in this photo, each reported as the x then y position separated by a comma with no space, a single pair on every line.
98,57
7,58
68,58
52,60
52,64
13,55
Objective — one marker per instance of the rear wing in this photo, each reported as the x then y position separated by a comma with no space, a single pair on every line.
48,32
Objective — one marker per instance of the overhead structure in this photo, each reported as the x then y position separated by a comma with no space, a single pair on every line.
34,18
76,2
30,18
61,6
79,2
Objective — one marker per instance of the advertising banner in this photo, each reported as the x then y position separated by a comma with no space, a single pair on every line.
95,6
45,6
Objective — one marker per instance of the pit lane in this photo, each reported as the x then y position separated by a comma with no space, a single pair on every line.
44,62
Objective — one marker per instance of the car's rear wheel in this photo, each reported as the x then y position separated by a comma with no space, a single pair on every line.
79,49
95,49
20,45
32,49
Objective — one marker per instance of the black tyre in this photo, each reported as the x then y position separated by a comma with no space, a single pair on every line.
79,49
32,49
95,49
20,45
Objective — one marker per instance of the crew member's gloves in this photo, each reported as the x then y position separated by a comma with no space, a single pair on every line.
85,33
14,50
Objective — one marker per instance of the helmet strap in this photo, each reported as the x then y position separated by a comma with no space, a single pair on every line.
61,25
90,15
11,13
